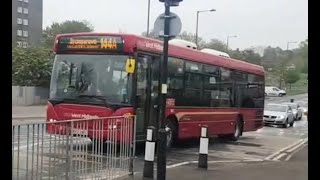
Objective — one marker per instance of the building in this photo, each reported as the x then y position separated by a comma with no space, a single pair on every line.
26,22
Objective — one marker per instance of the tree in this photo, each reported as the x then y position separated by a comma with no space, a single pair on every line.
247,55
303,49
31,66
152,35
216,44
292,77
187,36
55,28
281,70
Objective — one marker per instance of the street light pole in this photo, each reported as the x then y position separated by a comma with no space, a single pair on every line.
162,133
197,22
197,27
289,43
148,18
228,42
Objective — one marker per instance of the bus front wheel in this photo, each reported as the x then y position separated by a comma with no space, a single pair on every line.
171,131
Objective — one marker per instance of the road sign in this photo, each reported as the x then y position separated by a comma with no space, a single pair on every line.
175,25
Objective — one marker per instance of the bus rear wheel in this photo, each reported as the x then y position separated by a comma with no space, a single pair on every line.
237,132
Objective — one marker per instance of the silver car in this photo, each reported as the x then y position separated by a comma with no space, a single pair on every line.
297,111
278,114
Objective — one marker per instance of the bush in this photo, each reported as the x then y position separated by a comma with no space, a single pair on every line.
31,66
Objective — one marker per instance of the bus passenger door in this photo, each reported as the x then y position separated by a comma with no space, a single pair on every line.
147,92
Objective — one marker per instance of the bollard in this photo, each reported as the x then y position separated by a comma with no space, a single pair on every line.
292,100
204,145
149,153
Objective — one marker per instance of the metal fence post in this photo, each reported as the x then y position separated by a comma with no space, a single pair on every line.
133,144
203,151
149,153
68,151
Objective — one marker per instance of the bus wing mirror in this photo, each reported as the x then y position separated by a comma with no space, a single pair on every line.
130,65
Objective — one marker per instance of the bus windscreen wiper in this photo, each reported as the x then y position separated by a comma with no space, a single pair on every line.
96,97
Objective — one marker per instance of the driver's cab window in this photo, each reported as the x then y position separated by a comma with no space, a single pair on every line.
275,89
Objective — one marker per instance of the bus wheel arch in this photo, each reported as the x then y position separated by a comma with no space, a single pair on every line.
238,125
241,121
173,126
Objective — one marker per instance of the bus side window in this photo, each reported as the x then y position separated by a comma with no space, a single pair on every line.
141,80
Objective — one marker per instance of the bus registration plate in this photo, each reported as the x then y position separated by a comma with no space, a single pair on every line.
80,132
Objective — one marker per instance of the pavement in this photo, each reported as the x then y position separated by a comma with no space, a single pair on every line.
295,168
28,112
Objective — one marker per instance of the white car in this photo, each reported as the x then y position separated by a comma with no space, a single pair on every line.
278,114
297,111
274,91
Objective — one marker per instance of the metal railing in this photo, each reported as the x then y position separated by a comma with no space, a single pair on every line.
100,148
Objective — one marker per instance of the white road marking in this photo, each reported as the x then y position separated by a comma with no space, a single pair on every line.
297,146
23,147
297,150
178,164
280,156
281,150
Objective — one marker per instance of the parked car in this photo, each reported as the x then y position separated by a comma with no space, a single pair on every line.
297,111
305,111
274,91
278,114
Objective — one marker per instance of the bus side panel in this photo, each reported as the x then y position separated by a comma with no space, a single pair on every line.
252,120
191,120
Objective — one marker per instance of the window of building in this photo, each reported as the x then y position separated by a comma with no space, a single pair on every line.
19,43
25,10
25,33
19,32
25,22
19,9
25,44
19,21
26,1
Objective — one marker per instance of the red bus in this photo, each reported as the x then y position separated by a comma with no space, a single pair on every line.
225,94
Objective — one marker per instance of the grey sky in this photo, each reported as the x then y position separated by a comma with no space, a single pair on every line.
255,22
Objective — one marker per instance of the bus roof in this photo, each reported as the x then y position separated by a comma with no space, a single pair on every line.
136,42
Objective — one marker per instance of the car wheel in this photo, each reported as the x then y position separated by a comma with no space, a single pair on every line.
280,94
285,125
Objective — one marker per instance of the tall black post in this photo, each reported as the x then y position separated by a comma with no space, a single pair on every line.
161,160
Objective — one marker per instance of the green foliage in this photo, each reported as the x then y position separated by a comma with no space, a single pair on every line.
31,66
292,76
50,33
152,35
248,55
217,45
